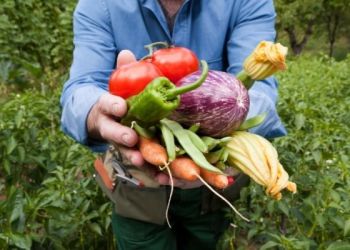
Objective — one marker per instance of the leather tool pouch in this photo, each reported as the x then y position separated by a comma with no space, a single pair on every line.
142,199
147,200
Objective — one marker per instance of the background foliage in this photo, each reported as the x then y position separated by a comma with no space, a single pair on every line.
49,199
314,105
35,41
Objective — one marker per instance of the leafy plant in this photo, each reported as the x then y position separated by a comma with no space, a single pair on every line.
314,105
49,199
35,38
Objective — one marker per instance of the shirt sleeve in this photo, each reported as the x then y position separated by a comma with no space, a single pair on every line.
93,61
254,22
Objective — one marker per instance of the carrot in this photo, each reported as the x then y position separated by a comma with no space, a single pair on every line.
156,154
152,151
182,168
219,181
185,168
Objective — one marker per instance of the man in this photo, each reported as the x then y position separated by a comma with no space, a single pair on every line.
221,32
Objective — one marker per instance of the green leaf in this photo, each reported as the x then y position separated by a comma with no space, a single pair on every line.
21,241
252,232
299,121
21,154
317,156
11,145
268,245
4,237
95,228
252,122
19,118
7,166
335,205
335,196
283,207
33,68
339,246
107,223
321,220
92,215
17,210
347,227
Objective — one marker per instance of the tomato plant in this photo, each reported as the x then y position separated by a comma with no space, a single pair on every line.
131,79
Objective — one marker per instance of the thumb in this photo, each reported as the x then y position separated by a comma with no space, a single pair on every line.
125,57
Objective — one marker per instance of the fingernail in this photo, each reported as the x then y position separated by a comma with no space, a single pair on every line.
126,139
115,108
131,159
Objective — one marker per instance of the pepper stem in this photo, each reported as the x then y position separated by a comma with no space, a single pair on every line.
172,93
245,79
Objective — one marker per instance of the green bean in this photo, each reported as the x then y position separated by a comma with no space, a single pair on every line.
224,155
169,141
184,140
252,122
194,128
214,157
145,132
197,141
220,165
224,140
210,142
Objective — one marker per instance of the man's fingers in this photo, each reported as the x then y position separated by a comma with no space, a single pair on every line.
164,179
131,156
112,105
117,133
125,57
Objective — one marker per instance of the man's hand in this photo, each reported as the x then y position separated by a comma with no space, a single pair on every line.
102,124
102,121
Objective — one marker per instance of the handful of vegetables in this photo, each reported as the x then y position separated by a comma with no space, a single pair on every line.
195,130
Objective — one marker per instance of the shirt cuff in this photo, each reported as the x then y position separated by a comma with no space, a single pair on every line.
261,103
74,114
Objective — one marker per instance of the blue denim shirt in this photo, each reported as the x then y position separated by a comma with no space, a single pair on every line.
221,32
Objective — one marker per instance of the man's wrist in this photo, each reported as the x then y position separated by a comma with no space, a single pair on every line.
76,107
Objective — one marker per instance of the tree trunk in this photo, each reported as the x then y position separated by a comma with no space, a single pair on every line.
298,46
332,28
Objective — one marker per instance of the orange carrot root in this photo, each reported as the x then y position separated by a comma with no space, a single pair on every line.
222,198
152,151
184,168
170,196
219,181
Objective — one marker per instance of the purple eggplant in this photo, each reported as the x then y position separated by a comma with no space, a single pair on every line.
219,105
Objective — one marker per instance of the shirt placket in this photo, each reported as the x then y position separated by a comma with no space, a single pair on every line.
180,35
180,29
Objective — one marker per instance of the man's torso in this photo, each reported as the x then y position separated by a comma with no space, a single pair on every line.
201,25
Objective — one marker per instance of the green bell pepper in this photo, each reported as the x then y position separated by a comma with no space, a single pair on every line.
158,100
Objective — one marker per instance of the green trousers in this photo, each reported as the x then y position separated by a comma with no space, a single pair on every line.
190,230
